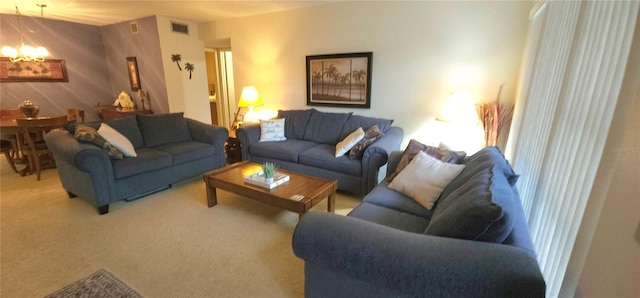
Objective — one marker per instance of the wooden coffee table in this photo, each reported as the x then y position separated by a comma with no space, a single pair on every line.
299,194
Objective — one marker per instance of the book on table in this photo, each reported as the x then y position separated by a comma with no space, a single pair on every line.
258,179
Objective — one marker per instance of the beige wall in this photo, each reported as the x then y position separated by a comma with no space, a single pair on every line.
422,51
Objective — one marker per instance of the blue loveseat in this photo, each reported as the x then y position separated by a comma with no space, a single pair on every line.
169,148
310,147
473,243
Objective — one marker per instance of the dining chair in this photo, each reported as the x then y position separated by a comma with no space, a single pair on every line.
75,115
11,137
34,147
7,149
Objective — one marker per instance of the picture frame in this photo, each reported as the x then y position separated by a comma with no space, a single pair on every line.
339,80
134,75
49,70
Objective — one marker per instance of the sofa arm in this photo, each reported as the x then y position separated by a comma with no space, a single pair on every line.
247,135
376,155
393,261
208,133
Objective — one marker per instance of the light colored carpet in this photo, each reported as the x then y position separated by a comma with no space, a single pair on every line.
165,245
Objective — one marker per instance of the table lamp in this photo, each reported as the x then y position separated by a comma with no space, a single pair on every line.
249,98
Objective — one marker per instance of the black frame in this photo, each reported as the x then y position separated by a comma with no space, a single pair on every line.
134,75
326,87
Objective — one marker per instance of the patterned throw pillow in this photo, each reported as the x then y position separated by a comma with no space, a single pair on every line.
414,147
370,136
272,130
89,134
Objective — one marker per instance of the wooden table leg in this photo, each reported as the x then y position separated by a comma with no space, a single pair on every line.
331,203
212,196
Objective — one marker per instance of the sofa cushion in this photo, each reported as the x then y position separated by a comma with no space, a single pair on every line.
183,152
88,134
117,140
384,196
272,130
488,157
128,127
478,210
148,160
348,142
325,128
414,147
390,218
163,129
323,156
356,121
370,136
295,122
288,150
424,178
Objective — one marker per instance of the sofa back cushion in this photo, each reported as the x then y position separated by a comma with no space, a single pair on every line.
295,122
128,127
480,209
163,129
325,128
356,121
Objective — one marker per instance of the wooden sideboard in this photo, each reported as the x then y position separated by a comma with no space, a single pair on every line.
107,113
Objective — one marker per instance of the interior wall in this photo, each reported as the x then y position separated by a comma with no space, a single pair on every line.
121,43
82,49
422,52
188,94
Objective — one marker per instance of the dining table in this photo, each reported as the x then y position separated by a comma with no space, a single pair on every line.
9,126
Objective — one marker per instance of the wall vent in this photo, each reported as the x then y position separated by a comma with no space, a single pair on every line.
133,26
180,28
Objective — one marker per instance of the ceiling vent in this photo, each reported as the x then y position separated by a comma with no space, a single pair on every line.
180,28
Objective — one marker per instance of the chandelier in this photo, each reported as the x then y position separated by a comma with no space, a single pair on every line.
26,53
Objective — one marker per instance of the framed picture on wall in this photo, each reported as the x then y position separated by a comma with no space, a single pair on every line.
339,80
49,70
134,76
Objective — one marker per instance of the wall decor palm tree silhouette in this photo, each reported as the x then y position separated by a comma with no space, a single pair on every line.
339,80
189,67
177,58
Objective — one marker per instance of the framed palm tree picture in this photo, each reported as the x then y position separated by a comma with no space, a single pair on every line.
340,80
134,76
49,70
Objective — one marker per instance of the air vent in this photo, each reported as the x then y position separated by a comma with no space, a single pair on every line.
180,28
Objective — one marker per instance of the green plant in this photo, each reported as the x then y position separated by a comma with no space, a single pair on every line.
269,169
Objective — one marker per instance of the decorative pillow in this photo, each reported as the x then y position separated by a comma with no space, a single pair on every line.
345,145
370,136
272,130
414,147
424,178
117,140
128,127
163,129
89,134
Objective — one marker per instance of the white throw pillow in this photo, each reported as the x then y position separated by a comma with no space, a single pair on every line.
272,130
424,178
351,140
117,140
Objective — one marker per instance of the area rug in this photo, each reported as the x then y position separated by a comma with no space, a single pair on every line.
101,284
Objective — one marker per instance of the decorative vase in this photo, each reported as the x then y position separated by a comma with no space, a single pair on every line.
29,109
268,180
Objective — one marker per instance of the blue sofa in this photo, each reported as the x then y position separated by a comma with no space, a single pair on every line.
310,147
169,148
473,243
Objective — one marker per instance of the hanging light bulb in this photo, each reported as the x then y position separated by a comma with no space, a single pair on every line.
26,53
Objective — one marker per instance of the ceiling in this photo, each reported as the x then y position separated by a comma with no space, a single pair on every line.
110,12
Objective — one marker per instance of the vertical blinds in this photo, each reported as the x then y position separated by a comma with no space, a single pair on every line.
574,80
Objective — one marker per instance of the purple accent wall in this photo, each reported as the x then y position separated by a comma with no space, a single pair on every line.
120,43
95,58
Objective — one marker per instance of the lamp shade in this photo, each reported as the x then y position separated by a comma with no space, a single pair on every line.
249,97
459,108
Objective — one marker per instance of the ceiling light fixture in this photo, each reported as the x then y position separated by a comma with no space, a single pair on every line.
26,53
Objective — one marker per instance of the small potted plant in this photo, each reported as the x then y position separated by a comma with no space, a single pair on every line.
269,169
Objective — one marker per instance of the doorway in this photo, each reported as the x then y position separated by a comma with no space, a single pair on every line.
221,86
